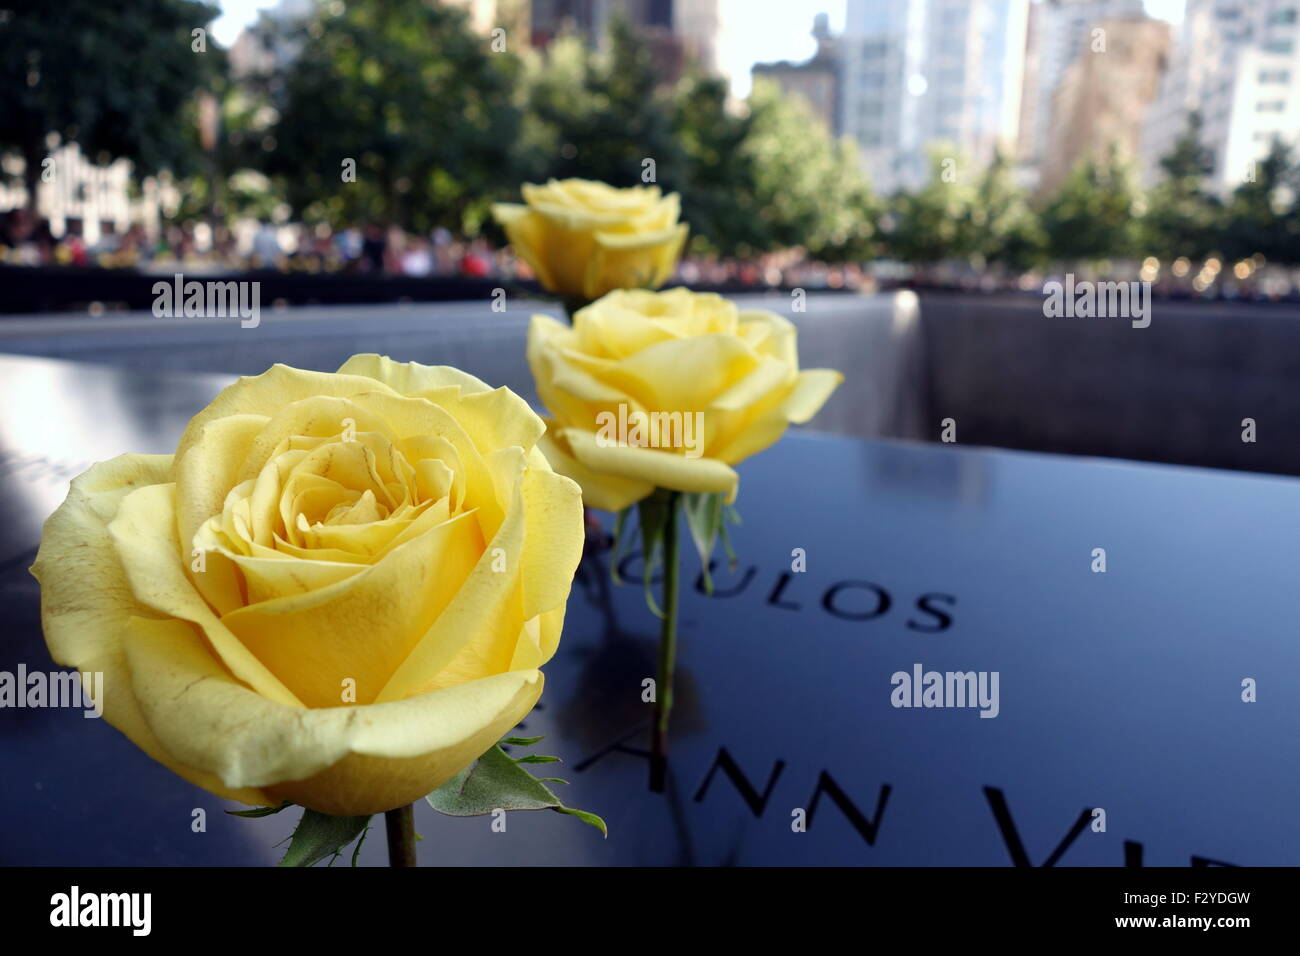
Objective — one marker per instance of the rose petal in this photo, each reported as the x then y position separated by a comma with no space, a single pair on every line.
338,760
661,468
87,601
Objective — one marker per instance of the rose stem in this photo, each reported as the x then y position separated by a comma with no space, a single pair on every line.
667,648
400,825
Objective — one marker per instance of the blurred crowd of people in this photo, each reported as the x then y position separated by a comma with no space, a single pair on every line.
372,249
379,250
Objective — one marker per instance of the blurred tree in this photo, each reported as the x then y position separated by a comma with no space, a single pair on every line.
1263,211
1091,217
599,115
719,176
1183,217
751,181
402,94
808,189
1003,227
936,222
116,79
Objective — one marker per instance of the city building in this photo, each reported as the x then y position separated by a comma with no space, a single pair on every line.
1059,31
1237,64
680,32
919,74
1101,99
815,81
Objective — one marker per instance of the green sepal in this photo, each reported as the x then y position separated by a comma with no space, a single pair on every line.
586,817
520,741
620,537
356,851
497,782
729,516
319,835
704,518
259,811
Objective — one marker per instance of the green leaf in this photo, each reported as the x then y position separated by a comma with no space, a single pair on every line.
357,850
704,518
319,835
259,811
538,758
620,536
586,817
521,741
496,782
730,516
493,782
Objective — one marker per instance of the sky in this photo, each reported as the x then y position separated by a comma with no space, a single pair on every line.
754,31
235,15
760,31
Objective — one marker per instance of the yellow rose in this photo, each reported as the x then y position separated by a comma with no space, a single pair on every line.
667,389
337,592
584,238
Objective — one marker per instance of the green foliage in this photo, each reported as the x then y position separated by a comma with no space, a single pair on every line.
808,191
704,518
598,115
720,174
1091,217
1003,228
751,180
1182,217
496,781
319,835
407,90
1262,215
937,221
707,517
440,126
116,78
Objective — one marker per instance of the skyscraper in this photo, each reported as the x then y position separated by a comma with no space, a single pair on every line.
1102,96
679,30
1059,31
1237,64
921,73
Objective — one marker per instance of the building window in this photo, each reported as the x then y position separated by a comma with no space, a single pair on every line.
1270,106
1283,16
1280,46
1274,76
